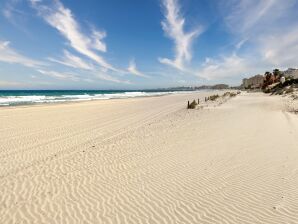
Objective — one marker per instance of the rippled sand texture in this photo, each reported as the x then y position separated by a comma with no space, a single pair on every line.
149,160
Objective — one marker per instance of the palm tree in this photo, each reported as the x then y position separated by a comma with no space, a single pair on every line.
276,72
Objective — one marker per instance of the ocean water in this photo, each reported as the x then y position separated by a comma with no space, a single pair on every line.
27,97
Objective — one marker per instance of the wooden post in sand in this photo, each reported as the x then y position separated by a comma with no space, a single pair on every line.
187,104
198,100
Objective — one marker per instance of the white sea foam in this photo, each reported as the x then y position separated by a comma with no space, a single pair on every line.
33,99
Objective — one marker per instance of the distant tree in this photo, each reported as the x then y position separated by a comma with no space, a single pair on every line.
269,79
276,72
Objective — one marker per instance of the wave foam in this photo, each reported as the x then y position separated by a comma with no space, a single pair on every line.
34,99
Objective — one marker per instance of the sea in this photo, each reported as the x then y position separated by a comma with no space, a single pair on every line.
29,97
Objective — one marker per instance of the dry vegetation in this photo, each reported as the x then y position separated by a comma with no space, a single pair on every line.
192,105
212,98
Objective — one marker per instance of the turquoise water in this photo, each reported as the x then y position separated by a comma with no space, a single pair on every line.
24,97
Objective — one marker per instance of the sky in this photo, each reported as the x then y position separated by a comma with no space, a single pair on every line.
139,44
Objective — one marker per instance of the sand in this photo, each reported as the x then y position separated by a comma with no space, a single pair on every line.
291,101
149,160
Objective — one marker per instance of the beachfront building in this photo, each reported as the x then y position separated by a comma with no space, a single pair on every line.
291,73
254,82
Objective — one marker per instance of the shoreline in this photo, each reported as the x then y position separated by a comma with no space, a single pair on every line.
107,99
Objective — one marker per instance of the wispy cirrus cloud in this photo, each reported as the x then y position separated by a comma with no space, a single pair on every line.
132,68
174,27
73,61
7,11
268,28
10,55
107,77
243,15
87,44
281,49
70,76
63,20
60,75
10,11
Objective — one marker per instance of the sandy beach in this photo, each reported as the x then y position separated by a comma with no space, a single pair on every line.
150,160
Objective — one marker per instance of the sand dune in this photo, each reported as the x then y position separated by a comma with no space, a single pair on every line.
149,160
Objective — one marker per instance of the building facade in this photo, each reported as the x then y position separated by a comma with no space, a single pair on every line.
254,82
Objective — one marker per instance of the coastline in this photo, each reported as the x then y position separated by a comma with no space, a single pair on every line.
24,98
150,160
158,94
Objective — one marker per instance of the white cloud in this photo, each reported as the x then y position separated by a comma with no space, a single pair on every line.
268,28
243,15
76,62
106,77
281,49
76,78
63,20
173,26
97,37
16,15
275,31
7,13
132,68
60,75
10,55
241,43
223,67
10,10
72,61
249,20
35,1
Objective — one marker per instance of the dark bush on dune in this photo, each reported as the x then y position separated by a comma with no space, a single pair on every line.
289,90
213,97
192,105
229,94
280,88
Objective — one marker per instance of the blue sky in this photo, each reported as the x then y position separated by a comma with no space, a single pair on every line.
135,44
